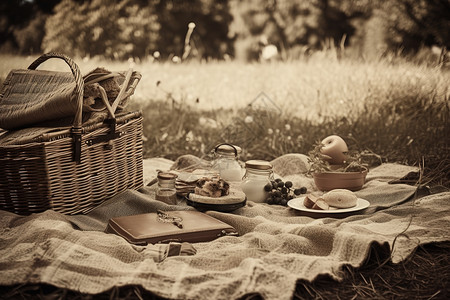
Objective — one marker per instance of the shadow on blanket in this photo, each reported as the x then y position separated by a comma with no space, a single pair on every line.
277,247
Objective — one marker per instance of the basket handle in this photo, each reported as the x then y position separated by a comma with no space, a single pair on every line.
79,83
79,90
122,90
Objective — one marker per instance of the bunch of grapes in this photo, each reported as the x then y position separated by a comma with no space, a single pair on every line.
281,192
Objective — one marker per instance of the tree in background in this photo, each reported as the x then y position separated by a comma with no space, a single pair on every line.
372,27
210,38
300,25
22,24
135,28
108,28
414,23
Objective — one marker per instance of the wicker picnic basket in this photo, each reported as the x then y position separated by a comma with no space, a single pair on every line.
68,166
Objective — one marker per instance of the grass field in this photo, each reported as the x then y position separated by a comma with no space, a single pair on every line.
396,109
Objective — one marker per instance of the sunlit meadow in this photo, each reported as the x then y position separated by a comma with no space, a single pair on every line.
394,108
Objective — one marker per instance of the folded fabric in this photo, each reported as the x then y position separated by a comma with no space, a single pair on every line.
30,97
277,245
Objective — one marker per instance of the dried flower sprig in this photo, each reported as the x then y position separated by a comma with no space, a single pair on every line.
356,161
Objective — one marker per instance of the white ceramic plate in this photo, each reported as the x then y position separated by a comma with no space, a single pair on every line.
297,203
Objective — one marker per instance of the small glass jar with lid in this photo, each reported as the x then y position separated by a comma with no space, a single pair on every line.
166,191
258,174
226,162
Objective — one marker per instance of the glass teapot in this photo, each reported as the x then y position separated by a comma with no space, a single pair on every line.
226,162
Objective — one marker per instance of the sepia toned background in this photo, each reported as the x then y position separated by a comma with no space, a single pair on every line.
227,29
274,77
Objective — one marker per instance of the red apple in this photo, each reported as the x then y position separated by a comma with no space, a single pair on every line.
335,148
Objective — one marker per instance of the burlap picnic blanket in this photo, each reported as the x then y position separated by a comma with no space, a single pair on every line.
277,245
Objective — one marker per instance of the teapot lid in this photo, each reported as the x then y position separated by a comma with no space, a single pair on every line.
228,149
258,164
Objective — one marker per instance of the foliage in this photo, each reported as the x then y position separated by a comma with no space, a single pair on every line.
29,37
210,38
225,28
291,25
22,25
413,23
356,161
79,29
299,26
136,28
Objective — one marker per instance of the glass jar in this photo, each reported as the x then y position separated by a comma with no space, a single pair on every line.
258,174
166,191
226,162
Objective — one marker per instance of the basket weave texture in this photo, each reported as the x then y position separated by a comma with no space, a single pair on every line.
71,169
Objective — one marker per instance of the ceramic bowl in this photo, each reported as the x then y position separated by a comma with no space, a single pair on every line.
327,181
